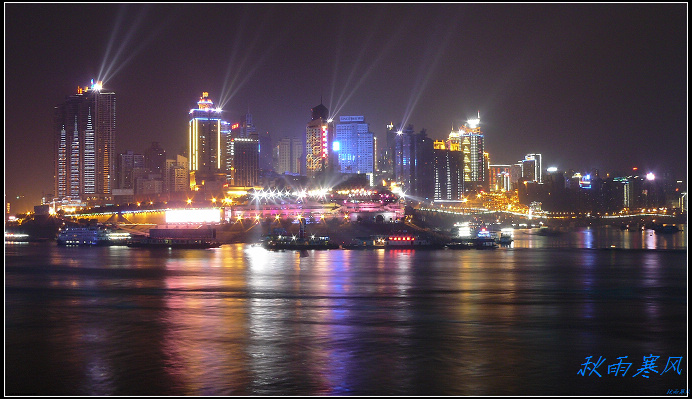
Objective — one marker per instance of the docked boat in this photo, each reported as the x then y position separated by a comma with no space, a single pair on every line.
182,243
178,237
293,243
484,243
371,242
91,235
410,241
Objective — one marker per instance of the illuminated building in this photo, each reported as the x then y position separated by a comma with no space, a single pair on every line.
318,142
500,177
206,158
246,161
402,155
531,168
472,146
354,144
448,173
84,145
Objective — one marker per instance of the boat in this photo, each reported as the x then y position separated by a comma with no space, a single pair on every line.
91,236
410,241
484,243
293,243
174,243
460,244
371,242
177,237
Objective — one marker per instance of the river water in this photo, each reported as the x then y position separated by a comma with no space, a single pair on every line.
529,319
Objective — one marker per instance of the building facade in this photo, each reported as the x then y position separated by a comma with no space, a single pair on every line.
354,144
246,161
205,140
84,145
317,142
288,154
531,168
448,173
473,148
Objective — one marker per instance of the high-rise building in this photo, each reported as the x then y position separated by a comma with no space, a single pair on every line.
288,153
265,151
354,144
155,159
422,167
448,172
473,148
176,175
206,144
246,161
84,145
402,156
318,141
126,163
500,178
531,168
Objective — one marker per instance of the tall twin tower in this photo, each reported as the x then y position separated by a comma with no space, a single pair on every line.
84,145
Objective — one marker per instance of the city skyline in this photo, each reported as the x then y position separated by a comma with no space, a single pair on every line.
610,79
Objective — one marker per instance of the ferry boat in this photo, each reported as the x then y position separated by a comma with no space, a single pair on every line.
410,241
202,237
91,235
296,243
484,240
183,243
372,242
281,240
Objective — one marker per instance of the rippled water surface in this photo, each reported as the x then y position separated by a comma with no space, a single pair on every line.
240,320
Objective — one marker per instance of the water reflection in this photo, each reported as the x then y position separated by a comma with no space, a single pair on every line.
240,320
599,238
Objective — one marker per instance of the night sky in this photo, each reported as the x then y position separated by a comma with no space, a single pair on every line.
589,86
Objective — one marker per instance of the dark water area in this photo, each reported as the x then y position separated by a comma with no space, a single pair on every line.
240,320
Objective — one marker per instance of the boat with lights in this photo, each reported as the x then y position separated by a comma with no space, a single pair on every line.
173,243
201,237
91,236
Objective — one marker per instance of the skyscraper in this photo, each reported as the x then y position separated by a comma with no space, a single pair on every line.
354,144
246,161
206,143
531,168
126,163
317,144
288,153
84,145
447,175
472,145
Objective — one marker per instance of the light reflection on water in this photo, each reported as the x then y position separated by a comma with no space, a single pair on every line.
240,320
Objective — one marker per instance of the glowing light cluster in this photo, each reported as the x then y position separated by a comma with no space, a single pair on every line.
210,215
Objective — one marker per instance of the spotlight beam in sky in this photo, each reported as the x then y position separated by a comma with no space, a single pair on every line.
425,71
114,65
381,55
230,89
